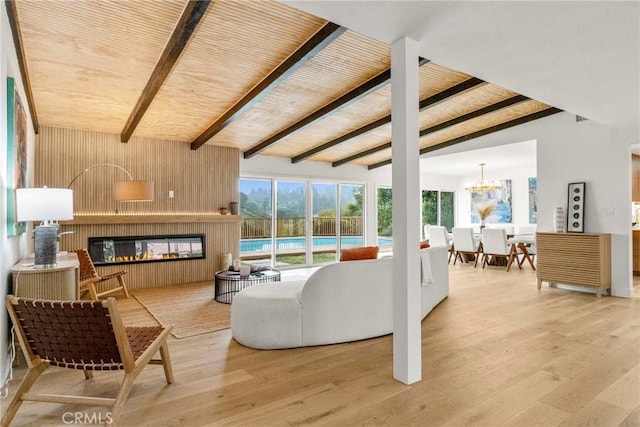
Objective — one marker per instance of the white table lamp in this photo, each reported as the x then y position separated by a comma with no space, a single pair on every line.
47,205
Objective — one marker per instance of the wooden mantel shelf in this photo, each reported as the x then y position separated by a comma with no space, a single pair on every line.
150,219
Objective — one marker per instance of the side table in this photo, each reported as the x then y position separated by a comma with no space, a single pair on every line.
61,282
229,283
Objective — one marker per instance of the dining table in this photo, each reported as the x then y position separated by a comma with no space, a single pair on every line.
521,241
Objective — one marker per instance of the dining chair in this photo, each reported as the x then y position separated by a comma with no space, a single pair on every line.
87,336
464,245
425,230
89,277
439,236
495,246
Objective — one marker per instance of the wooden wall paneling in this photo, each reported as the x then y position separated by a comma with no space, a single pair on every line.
202,181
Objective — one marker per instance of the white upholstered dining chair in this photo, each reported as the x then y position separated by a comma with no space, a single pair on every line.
495,246
439,236
464,245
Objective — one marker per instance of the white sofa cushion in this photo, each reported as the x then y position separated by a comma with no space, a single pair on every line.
270,315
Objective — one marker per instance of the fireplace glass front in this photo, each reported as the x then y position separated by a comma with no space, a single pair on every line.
126,250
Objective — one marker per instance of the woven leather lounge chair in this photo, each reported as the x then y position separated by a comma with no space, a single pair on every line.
89,277
84,335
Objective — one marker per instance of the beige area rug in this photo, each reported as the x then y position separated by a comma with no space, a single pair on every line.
190,308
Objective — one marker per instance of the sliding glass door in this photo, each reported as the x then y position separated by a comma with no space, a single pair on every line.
256,208
291,223
324,200
437,208
351,215
296,223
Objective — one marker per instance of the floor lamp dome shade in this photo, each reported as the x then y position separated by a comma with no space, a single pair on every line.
133,191
124,191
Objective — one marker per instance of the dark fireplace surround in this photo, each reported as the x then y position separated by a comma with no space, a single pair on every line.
113,250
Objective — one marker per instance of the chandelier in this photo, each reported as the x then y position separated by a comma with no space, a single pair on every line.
482,185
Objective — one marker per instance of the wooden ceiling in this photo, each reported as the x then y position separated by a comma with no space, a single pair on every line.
256,75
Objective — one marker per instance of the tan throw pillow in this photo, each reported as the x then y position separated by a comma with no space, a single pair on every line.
355,254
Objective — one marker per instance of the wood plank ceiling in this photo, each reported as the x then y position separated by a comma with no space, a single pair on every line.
256,75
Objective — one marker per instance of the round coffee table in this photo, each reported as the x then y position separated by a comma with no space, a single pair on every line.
229,283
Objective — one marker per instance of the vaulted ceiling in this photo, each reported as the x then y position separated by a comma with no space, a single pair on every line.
257,75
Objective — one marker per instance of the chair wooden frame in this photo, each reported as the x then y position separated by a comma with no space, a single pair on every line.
462,255
89,277
488,258
83,335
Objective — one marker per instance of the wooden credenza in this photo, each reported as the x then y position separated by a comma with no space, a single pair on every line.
574,259
61,282
636,251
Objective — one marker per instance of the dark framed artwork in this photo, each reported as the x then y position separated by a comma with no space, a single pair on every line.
16,156
575,207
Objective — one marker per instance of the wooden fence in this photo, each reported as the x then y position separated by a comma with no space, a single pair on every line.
256,228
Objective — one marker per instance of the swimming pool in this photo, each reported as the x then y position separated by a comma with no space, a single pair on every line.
264,245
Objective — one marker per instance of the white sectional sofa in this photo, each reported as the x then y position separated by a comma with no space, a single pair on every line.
340,302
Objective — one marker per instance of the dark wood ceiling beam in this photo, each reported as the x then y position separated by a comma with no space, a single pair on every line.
440,126
322,38
14,23
184,29
472,115
502,126
425,103
354,95
379,164
452,92
361,154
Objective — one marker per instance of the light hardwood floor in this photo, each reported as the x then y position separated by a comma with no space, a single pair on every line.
495,353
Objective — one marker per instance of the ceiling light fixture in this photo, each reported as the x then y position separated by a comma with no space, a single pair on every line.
482,185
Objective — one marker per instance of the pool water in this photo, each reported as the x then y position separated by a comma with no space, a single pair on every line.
264,245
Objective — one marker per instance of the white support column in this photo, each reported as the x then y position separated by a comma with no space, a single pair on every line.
407,356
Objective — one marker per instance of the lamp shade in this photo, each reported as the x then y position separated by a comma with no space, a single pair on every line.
133,191
44,204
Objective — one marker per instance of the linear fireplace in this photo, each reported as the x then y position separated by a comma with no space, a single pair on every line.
136,249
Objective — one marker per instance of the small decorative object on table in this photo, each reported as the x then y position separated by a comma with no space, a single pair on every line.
223,211
233,207
484,209
558,220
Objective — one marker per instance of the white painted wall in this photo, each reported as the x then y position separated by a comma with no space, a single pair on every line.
11,248
570,151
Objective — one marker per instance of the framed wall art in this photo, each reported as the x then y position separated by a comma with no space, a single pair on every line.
16,155
575,207
501,197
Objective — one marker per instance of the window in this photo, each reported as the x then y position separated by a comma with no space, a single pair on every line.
384,208
297,223
438,208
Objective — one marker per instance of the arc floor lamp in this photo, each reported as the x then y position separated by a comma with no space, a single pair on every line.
124,191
